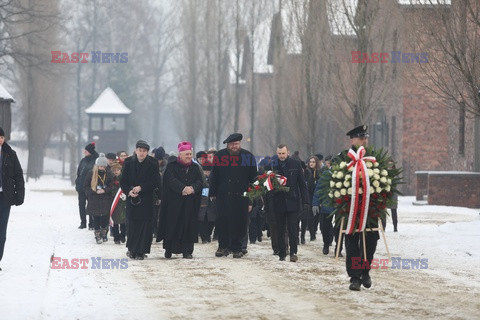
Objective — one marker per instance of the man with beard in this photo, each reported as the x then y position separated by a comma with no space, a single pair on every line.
233,169
140,177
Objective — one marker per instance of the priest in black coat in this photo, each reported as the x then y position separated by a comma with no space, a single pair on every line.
140,177
182,192
233,170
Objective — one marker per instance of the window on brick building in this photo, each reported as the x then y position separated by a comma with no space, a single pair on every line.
461,130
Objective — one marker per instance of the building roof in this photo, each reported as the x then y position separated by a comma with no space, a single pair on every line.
4,95
108,103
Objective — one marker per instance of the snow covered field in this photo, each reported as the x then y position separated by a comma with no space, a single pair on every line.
257,286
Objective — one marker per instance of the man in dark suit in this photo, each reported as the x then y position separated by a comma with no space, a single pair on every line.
287,205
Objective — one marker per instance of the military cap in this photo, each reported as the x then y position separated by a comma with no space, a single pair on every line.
358,132
233,137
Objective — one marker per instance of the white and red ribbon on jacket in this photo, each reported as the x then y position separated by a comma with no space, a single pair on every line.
114,204
359,170
269,184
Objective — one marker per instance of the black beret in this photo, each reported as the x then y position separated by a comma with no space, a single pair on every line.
358,132
328,158
319,156
233,137
159,153
2,133
142,144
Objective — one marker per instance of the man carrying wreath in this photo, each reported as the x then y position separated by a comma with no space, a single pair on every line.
358,273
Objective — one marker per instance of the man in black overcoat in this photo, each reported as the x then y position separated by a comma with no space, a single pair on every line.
288,205
233,170
140,177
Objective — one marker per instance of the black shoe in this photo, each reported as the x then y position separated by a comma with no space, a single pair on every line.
91,228
282,258
117,241
222,253
293,258
355,284
82,226
187,256
275,253
168,254
122,239
259,239
395,230
131,255
140,257
204,241
302,241
237,255
366,281
313,238
244,251
325,250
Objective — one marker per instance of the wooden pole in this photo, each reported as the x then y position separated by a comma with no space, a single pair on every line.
364,246
380,227
339,238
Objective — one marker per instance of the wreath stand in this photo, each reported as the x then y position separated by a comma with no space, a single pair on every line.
380,228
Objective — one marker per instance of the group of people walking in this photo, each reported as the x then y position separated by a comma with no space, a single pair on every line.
179,199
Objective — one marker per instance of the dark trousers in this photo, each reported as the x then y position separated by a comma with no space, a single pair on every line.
205,229
156,214
313,226
326,228
82,205
304,224
224,239
255,229
394,220
119,234
290,220
4,215
354,247
100,222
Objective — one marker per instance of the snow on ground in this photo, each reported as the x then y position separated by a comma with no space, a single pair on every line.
257,286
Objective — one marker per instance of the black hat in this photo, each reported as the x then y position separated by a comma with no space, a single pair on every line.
200,154
2,133
142,144
358,132
159,153
90,147
111,156
319,156
328,158
233,137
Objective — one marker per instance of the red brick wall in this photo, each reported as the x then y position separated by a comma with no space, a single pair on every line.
452,189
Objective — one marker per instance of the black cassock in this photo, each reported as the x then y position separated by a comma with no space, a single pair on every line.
179,214
140,210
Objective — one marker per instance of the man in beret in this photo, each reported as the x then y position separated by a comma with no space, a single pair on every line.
353,243
140,177
85,165
233,170
12,186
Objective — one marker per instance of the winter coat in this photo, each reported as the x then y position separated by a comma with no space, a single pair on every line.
13,184
99,204
85,165
179,220
228,181
144,174
297,195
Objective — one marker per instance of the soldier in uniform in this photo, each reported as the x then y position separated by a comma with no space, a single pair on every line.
233,168
353,242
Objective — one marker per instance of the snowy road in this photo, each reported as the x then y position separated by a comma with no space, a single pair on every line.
257,286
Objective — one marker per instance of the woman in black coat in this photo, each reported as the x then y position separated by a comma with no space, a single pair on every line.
182,191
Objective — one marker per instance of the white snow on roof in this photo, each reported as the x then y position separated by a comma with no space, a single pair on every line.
4,95
261,41
294,22
108,102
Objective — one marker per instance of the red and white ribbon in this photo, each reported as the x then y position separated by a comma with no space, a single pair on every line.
269,184
114,204
359,169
